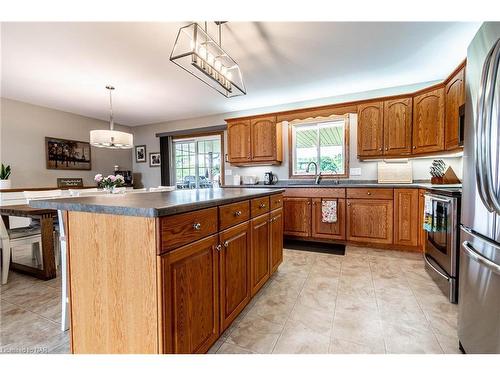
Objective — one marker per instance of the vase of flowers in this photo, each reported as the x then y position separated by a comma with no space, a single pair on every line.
109,183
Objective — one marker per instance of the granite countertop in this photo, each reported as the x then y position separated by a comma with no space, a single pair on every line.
153,204
423,184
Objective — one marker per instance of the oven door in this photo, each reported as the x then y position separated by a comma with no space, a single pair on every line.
440,244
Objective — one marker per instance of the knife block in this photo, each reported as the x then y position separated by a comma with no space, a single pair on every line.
448,178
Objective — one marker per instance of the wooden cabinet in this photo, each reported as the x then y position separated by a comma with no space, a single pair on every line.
370,220
329,231
370,129
454,98
191,297
276,238
406,217
397,126
239,141
234,272
255,140
428,122
297,216
260,261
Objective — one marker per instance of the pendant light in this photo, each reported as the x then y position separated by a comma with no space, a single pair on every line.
111,138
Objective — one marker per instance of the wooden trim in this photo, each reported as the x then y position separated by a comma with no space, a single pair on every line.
412,156
323,176
455,72
181,133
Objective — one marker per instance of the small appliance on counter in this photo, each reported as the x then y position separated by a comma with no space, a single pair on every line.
236,179
249,180
270,178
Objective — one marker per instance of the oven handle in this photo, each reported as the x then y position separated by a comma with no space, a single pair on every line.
474,255
435,198
442,274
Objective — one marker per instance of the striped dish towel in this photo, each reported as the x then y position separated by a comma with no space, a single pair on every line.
329,211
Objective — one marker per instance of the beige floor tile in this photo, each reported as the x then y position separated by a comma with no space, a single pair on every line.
319,321
228,348
338,346
255,334
448,344
299,338
361,329
273,308
314,299
406,339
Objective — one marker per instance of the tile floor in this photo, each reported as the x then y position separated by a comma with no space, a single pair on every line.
368,301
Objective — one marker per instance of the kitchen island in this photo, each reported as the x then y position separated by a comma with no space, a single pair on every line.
166,272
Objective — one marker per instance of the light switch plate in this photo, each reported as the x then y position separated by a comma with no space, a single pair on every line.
355,171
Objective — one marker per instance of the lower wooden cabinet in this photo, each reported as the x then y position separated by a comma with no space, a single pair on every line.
297,216
191,297
406,228
234,272
276,238
329,231
370,220
260,262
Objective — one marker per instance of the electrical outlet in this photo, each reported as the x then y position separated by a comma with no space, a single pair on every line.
228,172
355,171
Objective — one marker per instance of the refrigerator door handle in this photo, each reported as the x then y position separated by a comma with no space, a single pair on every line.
488,119
473,254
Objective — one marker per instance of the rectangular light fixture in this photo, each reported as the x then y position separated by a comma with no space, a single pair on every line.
197,53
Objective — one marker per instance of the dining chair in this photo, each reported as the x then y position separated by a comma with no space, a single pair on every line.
16,238
162,188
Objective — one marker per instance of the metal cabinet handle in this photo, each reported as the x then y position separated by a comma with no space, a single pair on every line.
473,254
197,226
237,213
262,205
442,274
414,147
226,244
369,193
380,149
279,200
218,247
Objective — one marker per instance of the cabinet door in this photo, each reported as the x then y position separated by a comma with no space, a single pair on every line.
239,141
455,97
260,254
370,129
428,122
297,216
370,220
276,239
234,272
397,126
264,139
406,217
331,231
191,297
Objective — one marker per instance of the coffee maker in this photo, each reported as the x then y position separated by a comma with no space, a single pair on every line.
270,178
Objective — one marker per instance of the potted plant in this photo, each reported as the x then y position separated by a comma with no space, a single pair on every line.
4,177
109,183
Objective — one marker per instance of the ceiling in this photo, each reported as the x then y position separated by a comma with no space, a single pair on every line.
66,65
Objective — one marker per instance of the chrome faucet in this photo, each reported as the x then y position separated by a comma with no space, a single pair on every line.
316,174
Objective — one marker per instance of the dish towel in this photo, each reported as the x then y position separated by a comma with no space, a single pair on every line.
329,211
428,215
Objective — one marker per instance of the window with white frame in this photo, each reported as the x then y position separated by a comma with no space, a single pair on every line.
324,142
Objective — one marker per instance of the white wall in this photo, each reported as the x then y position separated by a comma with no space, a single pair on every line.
23,130
151,176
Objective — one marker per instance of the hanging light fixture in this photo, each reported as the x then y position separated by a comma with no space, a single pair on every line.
197,53
111,138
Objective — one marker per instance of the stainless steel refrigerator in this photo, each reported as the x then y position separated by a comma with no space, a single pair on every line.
479,274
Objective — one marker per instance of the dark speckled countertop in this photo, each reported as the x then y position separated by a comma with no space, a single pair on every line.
153,204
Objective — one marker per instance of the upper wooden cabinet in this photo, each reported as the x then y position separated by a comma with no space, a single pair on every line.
397,126
406,217
454,98
239,141
428,122
255,141
370,129
191,297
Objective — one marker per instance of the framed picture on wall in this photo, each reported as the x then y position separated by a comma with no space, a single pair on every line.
67,154
140,154
154,159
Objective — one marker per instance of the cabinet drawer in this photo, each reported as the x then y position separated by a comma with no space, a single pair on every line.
369,193
234,213
178,230
259,206
276,201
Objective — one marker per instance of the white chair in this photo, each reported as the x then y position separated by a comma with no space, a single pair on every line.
15,238
162,188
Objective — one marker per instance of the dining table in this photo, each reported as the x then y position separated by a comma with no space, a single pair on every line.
46,218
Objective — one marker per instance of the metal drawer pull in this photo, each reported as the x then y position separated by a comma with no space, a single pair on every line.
369,193
226,244
435,269
197,226
237,213
262,205
473,254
